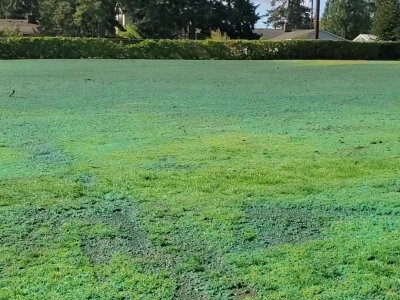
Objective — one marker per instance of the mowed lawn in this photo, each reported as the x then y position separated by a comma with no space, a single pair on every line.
199,180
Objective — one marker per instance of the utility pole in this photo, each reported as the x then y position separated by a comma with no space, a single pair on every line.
317,12
312,15
287,23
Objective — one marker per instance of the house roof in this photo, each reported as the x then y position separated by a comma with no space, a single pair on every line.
267,33
366,38
308,34
301,34
22,26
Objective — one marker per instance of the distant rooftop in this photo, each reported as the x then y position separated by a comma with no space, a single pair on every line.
366,38
267,33
301,34
22,26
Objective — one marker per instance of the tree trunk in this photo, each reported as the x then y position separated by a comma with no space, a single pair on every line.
192,32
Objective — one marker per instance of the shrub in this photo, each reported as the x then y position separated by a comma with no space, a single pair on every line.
10,33
131,32
46,47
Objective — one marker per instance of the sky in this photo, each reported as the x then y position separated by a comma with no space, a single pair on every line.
264,5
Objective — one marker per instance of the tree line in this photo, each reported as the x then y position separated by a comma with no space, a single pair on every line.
151,18
198,18
345,18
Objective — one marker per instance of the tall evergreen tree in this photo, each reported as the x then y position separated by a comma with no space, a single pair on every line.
347,18
195,17
155,18
238,20
386,23
292,13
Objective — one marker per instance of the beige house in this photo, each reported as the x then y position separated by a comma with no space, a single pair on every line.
123,16
366,38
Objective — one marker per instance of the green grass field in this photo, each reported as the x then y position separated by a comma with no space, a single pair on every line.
199,180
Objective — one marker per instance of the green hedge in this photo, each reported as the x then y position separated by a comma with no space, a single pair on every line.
17,48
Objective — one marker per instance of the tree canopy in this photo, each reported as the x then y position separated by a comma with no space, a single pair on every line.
348,18
196,18
152,18
18,8
386,23
293,14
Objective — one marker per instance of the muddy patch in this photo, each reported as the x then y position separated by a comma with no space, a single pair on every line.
244,294
84,178
167,164
110,225
44,155
271,224
126,236
192,255
104,226
190,286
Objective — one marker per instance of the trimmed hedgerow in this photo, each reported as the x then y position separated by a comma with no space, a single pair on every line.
45,47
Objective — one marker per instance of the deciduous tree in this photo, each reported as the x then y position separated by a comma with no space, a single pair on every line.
196,18
88,18
348,18
386,23
18,8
